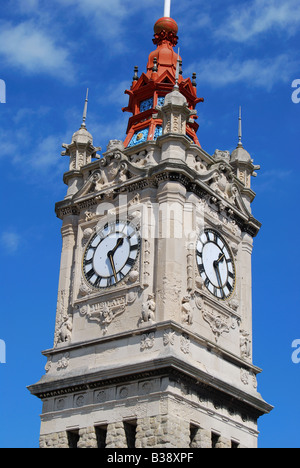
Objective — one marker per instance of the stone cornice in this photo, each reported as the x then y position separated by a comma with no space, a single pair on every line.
169,366
151,177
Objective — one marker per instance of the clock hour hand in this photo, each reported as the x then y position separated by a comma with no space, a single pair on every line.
220,259
111,259
111,253
118,244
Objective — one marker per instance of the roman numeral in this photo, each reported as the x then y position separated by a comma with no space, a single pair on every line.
199,254
130,261
121,275
98,281
90,274
89,262
109,281
134,247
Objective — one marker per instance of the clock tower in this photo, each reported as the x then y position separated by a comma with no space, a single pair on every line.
153,336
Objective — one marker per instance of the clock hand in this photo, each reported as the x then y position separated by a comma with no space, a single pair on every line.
220,259
218,275
111,253
110,256
118,244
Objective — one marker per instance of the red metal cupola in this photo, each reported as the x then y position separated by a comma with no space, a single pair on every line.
149,90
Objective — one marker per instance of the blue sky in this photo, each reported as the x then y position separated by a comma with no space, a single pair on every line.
244,53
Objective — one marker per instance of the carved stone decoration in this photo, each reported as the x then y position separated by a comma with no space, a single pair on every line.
254,381
48,365
146,263
190,263
63,329
218,323
187,310
87,233
245,376
84,289
148,309
185,344
63,363
106,311
198,299
169,337
245,345
147,341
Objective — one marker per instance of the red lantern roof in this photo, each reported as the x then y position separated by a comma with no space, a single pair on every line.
150,89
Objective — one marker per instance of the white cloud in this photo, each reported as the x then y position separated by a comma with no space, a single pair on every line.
262,73
249,20
109,19
26,47
10,241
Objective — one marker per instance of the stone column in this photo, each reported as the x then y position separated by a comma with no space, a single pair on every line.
116,437
202,439
223,443
87,438
162,431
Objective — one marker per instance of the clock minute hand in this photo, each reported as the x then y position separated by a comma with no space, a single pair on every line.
111,253
218,275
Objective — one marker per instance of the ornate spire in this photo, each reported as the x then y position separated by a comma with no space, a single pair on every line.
83,125
149,90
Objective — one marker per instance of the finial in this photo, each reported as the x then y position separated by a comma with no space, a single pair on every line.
167,11
177,71
194,82
135,76
83,125
155,69
240,145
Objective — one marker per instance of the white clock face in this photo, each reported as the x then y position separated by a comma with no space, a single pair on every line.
111,254
215,264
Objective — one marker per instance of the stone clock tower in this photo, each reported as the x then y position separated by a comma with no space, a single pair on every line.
153,335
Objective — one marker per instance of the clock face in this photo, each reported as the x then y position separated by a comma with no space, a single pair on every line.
215,264
111,254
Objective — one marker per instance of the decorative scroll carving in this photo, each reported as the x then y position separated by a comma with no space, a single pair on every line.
106,311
